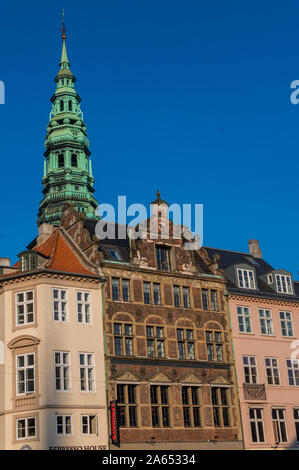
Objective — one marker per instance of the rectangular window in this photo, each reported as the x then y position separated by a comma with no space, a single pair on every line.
286,324
244,320
115,288
26,428
64,424
246,279
155,341
214,301
293,372
160,412
191,409
89,424
214,345
126,290
83,307
127,404
283,284
296,421
24,307
250,370
185,340
266,322
279,425
221,403
60,305
62,371
205,299
123,339
163,258
86,372
147,293
157,293
186,297
256,424
177,296
272,371
25,368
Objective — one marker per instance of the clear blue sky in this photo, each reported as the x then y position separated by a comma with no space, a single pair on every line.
191,97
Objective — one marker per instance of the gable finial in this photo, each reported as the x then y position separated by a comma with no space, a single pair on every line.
63,26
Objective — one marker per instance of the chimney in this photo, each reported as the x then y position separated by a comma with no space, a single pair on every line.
254,248
44,232
5,262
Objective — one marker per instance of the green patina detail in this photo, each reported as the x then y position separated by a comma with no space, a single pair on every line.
67,167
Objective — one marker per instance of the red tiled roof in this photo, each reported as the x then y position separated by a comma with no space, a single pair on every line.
62,258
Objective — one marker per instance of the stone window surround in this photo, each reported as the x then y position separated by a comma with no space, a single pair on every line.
23,416
24,345
34,324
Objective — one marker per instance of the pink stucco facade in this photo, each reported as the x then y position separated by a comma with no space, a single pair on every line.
279,401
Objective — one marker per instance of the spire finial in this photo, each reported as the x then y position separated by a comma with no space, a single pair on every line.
63,26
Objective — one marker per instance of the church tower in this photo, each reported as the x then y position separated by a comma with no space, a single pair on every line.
67,167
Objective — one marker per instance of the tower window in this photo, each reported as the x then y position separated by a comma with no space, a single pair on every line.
70,106
61,105
61,160
74,160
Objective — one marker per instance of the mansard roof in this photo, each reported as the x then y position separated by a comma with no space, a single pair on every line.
229,260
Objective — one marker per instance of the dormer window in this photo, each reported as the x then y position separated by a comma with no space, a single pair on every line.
28,261
283,284
270,279
246,278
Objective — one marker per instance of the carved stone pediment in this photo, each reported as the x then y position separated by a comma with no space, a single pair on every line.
191,378
160,377
127,376
219,380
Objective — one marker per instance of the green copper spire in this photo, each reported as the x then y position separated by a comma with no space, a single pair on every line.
67,166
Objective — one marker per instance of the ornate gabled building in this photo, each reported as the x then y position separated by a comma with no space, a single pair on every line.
67,166
168,346
264,308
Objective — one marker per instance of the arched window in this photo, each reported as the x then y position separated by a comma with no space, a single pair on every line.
61,105
74,160
60,160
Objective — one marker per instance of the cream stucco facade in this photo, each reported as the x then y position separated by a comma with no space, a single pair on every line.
35,411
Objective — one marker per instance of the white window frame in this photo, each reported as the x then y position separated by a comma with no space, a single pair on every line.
283,284
293,368
86,316
25,368
62,367
26,419
277,422
268,322
86,367
272,368
250,367
25,303
64,433
243,315
60,300
257,420
247,280
89,433
286,321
